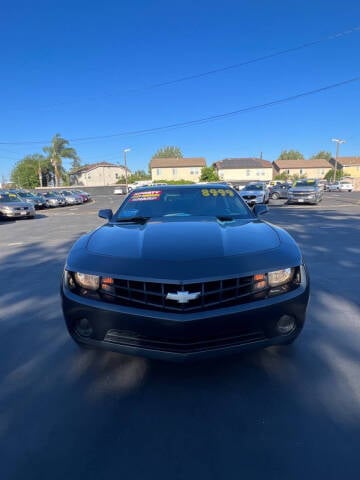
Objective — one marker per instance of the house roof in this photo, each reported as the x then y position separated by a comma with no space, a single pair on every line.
157,162
349,161
92,166
301,163
251,162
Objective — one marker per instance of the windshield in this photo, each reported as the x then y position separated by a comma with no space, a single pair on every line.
215,201
26,195
9,197
304,183
254,186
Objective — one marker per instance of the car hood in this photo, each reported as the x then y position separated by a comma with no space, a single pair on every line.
251,192
302,189
184,249
15,204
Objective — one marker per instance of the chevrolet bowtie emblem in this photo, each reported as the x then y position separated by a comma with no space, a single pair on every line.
183,297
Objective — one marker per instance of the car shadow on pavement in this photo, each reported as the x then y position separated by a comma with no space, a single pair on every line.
287,412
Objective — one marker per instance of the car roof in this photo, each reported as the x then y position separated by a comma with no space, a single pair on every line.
184,187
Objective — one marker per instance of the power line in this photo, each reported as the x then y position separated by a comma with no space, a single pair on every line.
256,59
199,121
185,78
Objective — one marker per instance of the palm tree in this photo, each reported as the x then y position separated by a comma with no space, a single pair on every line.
57,151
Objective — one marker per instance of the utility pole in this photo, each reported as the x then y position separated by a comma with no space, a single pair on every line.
126,171
40,175
338,142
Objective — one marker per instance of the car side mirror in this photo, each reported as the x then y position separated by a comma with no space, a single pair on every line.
260,209
106,213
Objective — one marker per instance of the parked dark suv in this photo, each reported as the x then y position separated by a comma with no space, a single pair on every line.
279,191
305,191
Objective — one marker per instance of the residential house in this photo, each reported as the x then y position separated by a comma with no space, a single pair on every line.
349,165
176,168
97,174
313,168
244,169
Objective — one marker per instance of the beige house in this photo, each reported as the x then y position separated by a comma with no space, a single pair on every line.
313,168
244,169
349,165
97,174
176,169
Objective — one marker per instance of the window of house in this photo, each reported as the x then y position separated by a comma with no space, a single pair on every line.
174,172
116,175
288,171
248,173
158,171
301,171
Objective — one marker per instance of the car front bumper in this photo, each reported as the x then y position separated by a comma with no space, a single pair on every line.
312,200
175,336
253,201
17,214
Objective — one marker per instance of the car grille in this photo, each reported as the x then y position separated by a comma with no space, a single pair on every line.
211,294
302,194
249,197
18,209
185,345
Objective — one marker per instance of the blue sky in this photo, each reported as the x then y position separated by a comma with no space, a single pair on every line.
85,69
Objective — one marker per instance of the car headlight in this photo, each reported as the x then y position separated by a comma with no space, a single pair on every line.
280,277
6,208
84,280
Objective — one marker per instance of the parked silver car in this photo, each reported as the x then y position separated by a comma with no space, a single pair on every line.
305,191
12,207
51,199
71,197
255,192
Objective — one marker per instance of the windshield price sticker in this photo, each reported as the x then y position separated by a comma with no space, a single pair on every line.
217,192
145,196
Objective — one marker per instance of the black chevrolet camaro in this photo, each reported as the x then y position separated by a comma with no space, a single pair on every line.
184,272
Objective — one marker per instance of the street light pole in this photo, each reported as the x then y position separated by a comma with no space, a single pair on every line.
40,175
338,141
126,175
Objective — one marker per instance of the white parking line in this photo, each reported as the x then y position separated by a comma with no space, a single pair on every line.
14,244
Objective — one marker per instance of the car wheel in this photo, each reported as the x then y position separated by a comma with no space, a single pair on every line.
275,196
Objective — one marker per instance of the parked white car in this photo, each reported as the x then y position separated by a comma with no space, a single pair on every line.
340,186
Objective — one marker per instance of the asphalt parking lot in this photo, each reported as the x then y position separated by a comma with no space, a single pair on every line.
281,413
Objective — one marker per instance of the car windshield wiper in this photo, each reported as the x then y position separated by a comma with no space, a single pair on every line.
133,220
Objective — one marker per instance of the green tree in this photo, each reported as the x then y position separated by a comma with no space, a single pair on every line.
322,154
135,176
329,176
28,171
291,155
209,174
168,152
282,176
76,163
58,150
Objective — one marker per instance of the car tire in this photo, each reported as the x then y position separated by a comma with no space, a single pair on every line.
275,196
